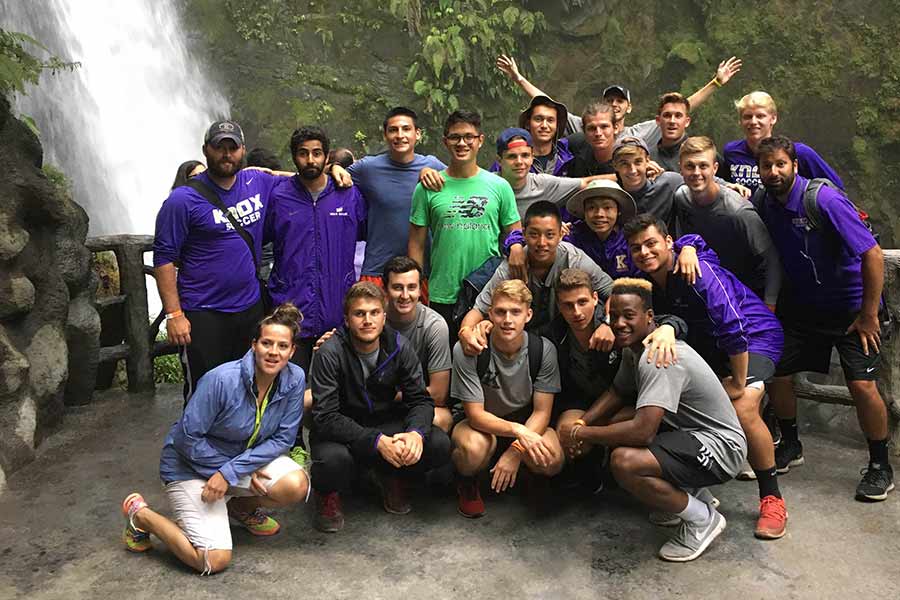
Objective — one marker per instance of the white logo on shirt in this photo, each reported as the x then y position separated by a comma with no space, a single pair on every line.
620,263
244,212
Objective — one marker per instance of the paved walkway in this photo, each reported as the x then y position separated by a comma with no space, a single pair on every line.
60,527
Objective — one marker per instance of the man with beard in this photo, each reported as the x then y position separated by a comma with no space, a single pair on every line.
314,226
832,298
213,303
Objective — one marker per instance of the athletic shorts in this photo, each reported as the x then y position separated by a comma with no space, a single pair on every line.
685,462
808,343
760,368
206,524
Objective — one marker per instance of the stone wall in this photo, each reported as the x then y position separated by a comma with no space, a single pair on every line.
49,330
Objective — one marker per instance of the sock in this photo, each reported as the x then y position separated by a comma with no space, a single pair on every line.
695,511
768,482
878,452
788,430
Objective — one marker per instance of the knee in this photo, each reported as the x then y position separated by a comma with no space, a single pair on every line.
472,448
291,489
622,463
443,419
863,390
438,445
331,461
553,467
217,561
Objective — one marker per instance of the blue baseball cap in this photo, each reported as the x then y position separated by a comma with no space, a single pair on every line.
507,135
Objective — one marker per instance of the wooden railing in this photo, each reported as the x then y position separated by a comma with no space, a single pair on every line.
139,346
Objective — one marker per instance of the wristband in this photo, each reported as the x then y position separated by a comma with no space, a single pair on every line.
517,447
174,315
579,422
515,237
715,81
575,432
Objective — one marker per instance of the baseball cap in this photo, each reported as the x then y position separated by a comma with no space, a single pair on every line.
221,130
562,113
618,89
603,188
508,134
629,140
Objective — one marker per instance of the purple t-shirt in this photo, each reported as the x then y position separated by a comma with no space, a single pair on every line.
740,165
388,187
216,270
823,266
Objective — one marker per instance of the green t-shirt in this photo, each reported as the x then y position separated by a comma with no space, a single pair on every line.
465,218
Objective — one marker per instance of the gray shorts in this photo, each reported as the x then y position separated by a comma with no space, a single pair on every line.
206,524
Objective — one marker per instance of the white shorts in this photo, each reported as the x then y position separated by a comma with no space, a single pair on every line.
206,524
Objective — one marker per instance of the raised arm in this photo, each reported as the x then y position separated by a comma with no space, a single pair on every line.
726,70
507,64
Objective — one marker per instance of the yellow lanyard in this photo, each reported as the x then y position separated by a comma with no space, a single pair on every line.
260,411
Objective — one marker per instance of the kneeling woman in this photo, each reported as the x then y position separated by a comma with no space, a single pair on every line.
227,456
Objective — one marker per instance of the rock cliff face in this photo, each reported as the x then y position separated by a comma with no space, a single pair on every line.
49,330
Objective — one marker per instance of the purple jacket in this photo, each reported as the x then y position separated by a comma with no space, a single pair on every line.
314,244
720,306
612,255
560,166
740,165
823,266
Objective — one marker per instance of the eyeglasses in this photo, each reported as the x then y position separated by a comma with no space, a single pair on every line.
455,138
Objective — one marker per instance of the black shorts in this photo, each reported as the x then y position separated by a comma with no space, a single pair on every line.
759,366
808,343
685,463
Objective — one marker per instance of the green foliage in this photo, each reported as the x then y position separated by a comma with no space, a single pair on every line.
167,369
58,179
19,66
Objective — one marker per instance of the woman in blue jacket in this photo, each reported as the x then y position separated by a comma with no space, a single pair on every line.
227,456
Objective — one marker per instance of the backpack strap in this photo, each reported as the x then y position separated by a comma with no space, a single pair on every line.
535,357
811,203
210,196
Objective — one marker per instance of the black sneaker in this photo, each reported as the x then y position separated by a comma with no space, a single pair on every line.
787,455
877,481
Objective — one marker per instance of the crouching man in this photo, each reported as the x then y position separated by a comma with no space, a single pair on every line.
357,421
507,393
684,436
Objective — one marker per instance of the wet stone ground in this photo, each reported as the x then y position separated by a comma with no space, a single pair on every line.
60,528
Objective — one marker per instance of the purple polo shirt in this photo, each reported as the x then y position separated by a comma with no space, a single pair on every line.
611,255
823,266
740,165
216,270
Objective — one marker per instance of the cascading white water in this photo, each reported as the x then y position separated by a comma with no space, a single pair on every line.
138,106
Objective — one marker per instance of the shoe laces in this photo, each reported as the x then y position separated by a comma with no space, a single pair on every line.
876,476
330,504
257,517
772,507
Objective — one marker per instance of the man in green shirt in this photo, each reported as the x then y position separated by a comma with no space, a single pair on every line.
465,218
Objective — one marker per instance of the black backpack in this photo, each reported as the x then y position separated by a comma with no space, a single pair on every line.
535,358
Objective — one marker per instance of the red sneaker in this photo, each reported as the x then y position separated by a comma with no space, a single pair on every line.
773,517
470,504
329,514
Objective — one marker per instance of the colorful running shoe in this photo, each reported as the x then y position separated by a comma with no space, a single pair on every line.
773,517
136,540
256,522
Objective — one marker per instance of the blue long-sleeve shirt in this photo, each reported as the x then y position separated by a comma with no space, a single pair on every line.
217,423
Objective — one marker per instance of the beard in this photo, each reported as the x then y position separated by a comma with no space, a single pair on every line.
311,172
224,169
779,189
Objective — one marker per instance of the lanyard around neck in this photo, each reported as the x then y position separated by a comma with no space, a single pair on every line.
260,411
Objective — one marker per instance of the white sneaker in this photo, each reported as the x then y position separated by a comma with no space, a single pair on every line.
746,473
664,519
693,538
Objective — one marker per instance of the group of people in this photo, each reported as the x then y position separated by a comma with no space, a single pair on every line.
613,304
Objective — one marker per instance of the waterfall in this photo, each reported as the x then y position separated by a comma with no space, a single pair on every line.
138,106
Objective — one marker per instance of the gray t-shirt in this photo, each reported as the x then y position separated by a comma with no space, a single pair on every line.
658,196
506,387
732,227
368,362
430,338
544,302
693,398
542,186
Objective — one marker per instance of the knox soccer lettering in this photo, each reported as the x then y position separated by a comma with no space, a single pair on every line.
244,212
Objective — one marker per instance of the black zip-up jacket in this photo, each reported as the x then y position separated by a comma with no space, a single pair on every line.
558,332
348,410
